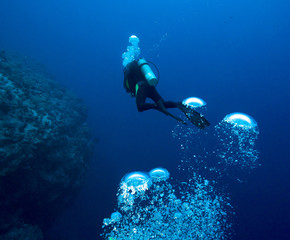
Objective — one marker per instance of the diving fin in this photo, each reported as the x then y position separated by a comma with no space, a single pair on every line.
197,119
194,117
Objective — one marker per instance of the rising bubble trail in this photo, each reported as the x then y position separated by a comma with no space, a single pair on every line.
237,134
152,208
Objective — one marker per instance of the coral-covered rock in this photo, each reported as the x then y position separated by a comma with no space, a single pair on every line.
44,147
23,232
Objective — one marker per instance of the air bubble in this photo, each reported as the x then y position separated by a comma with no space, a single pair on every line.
194,102
159,174
241,120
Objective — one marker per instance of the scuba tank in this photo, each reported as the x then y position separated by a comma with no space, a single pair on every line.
147,72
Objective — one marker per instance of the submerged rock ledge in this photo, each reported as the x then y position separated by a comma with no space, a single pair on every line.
45,148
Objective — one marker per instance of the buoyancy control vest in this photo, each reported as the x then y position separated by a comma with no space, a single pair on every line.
138,71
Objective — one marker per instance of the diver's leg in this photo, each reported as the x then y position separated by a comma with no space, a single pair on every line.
160,107
155,96
160,104
141,99
145,106
170,104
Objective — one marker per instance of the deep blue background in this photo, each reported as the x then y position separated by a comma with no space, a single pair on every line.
233,54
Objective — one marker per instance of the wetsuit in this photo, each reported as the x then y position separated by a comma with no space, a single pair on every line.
136,84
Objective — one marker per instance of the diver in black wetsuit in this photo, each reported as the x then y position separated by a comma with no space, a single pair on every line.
136,84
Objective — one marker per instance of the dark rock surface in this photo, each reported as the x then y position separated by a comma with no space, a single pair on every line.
44,148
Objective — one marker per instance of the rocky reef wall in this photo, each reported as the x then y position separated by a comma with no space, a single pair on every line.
45,148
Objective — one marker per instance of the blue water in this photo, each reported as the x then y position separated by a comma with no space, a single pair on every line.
233,54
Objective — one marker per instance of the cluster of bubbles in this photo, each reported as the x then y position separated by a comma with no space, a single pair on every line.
133,51
149,207
192,148
238,133
231,153
132,186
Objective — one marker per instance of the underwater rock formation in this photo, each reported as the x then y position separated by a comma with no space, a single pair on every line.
45,148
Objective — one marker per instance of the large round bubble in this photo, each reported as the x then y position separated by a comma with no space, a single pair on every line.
135,178
137,181
159,174
132,186
134,40
194,102
241,120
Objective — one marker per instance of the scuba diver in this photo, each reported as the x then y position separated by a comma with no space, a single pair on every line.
140,82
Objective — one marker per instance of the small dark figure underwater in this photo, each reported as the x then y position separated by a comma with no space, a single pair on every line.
140,81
